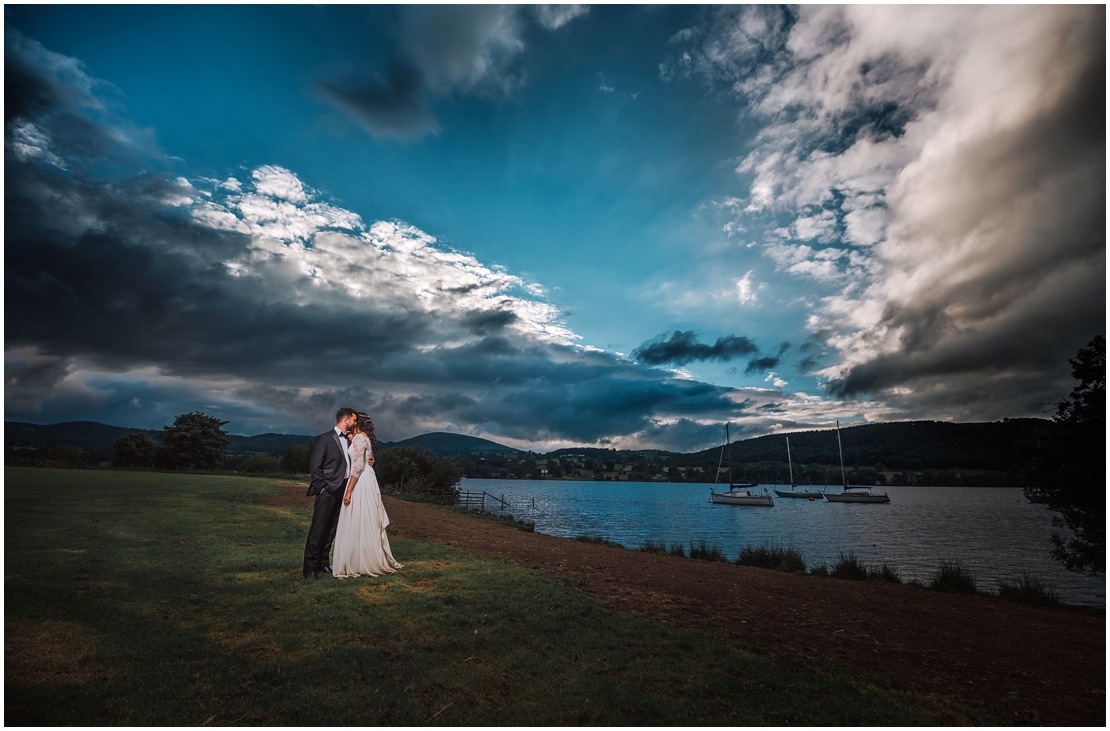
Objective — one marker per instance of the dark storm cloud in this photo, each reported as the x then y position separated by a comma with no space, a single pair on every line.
395,104
131,299
1046,296
683,347
441,50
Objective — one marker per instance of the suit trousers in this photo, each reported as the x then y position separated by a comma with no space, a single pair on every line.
321,533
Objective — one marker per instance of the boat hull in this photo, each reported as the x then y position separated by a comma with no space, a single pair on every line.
856,497
799,493
742,498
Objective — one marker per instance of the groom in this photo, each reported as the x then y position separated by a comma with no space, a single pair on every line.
329,466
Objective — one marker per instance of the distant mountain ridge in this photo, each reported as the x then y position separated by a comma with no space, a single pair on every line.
92,436
912,445
447,444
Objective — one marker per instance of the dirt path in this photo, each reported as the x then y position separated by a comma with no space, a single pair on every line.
978,649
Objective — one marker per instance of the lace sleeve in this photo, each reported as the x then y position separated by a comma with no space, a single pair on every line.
360,455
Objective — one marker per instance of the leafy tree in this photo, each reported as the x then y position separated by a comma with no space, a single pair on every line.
415,469
1068,470
194,442
134,450
261,463
296,459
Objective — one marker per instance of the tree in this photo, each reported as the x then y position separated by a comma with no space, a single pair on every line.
415,469
134,450
1067,466
296,459
194,442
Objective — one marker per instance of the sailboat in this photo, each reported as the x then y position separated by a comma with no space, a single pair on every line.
853,497
794,490
743,494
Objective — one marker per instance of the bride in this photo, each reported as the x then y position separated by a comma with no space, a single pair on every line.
361,546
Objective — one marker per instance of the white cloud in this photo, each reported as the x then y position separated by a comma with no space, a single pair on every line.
391,264
744,290
554,17
962,152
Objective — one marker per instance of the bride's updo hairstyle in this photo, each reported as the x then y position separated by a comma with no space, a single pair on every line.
365,426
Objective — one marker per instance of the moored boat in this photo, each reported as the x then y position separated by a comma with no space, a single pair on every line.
851,493
795,490
743,494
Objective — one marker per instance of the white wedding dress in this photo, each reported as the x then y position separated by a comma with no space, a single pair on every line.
361,546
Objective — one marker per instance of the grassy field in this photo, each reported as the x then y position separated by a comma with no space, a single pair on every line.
142,598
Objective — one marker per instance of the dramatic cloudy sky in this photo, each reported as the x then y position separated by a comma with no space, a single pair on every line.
551,225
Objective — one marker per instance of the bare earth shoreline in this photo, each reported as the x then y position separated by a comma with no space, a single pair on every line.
978,649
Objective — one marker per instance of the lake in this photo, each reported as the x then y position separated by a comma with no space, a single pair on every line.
994,532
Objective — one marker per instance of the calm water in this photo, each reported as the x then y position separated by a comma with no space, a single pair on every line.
995,532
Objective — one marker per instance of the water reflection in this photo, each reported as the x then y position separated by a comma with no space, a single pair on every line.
995,532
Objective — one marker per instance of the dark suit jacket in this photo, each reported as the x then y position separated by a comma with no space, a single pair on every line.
327,464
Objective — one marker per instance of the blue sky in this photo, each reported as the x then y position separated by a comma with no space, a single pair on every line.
611,225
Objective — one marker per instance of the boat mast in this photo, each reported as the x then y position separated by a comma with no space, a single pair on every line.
728,448
789,463
843,478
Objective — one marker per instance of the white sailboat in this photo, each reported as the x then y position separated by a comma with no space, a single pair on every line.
848,496
743,494
795,490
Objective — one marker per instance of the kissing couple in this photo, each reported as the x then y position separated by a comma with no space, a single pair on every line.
348,510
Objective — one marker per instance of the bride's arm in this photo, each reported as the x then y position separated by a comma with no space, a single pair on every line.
358,465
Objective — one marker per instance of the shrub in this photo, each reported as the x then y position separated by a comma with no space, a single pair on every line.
599,540
677,549
776,558
705,552
1029,589
261,464
953,577
650,546
849,567
884,574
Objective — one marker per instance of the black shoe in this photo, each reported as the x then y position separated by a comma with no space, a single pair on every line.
327,569
311,575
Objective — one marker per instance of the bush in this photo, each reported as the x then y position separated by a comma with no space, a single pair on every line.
953,577
849,567
884,574
776,558
261,464
707,553
650,546
1029,589
677,549
584,538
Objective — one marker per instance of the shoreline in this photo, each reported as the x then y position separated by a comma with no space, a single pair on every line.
978,649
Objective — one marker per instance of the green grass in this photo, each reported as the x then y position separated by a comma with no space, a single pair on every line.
154,599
